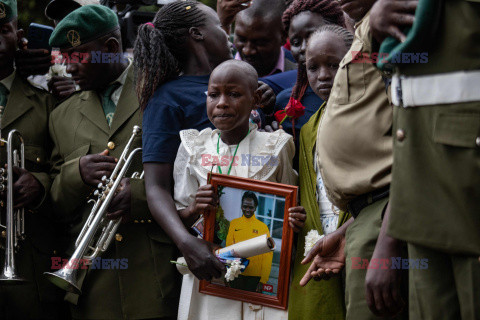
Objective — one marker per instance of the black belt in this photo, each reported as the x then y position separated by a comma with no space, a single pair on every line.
361,202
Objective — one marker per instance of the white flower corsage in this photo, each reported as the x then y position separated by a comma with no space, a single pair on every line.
311,238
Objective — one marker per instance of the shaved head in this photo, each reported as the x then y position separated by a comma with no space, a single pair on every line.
240,69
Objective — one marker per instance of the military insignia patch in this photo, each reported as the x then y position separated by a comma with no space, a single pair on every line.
3,11
74,38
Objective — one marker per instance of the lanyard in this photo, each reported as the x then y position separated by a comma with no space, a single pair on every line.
234,154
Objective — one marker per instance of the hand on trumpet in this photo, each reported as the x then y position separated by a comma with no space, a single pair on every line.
121,203
94,166
27,190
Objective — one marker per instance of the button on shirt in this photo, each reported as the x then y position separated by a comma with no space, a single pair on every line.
354,139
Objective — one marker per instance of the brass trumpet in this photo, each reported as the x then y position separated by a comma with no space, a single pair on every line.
15,224
66,278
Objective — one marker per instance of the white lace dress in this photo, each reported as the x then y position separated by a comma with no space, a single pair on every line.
191,168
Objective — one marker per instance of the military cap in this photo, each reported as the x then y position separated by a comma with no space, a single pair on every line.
58,9
8,10
84,25
419,37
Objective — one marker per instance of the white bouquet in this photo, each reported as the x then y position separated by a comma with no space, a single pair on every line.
311,238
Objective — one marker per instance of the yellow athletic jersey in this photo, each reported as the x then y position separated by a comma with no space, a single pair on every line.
242,229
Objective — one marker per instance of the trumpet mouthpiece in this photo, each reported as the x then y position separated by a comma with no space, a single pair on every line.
137,129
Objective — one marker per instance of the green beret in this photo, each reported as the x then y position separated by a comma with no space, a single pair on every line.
419,37
8,10
83,25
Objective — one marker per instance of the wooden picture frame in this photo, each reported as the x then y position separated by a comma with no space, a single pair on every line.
263,189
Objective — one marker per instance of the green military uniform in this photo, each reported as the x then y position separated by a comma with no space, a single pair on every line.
354,154
435,190
27,109
149,286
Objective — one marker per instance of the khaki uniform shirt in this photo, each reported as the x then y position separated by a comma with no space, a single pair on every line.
354,141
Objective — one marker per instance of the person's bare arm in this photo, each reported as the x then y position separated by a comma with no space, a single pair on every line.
328,255
383,284
198,253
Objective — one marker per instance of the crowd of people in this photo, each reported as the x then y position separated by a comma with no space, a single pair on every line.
385,152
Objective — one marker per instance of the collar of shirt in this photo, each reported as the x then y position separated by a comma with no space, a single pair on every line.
246,220
121,80
8,81
357,23
279,67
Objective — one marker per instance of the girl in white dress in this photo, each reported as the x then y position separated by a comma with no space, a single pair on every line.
232,93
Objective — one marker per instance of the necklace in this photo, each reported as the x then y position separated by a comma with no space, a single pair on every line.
234,154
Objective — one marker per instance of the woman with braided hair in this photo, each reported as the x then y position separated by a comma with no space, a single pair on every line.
325,299
300,19
174,56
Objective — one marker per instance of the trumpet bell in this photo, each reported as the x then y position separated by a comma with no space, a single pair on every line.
64,280
9,277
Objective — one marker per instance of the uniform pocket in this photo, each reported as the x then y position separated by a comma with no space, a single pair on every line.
350,79
457,129
79,152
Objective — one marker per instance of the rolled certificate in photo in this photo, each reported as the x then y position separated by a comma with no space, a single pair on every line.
245,249
249,248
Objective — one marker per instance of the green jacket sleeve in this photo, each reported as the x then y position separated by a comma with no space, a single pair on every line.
44,177
68,191
45,181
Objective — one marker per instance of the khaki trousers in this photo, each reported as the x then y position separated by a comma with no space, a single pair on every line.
361,238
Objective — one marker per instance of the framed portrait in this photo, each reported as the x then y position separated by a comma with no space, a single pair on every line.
253,210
